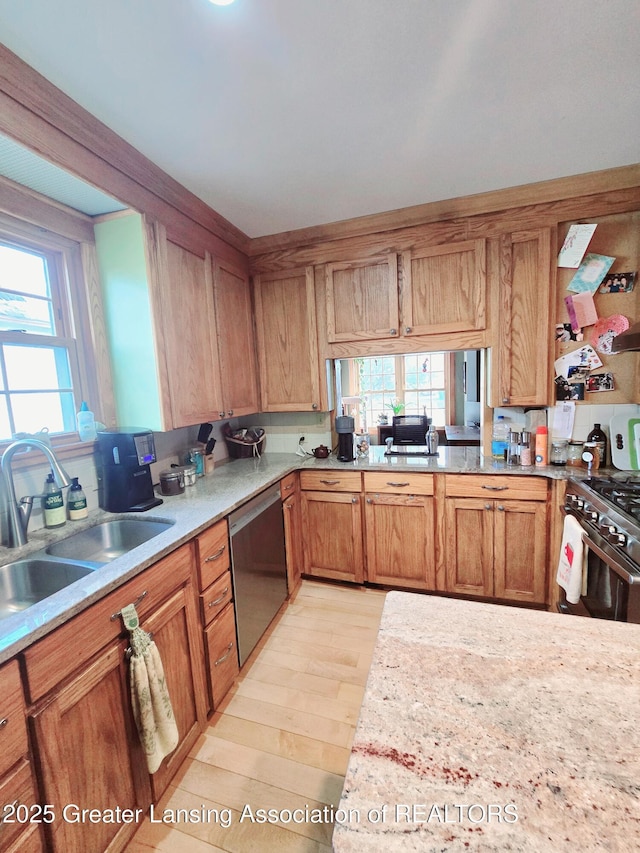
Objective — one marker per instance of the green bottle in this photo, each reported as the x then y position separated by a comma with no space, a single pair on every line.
53,504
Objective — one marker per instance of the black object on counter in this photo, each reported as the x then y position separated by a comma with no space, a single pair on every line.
204,432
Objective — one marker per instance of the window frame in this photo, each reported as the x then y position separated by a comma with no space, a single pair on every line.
67,260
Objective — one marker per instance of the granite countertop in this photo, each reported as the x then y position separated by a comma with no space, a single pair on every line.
214,496
491,728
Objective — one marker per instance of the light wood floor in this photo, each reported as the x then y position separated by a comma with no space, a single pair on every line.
282,737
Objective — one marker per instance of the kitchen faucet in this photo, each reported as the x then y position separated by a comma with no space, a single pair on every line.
19,512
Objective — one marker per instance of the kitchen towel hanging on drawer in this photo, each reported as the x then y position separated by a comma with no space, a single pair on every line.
152,709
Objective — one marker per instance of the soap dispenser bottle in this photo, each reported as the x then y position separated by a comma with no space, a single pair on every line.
53,504
76,502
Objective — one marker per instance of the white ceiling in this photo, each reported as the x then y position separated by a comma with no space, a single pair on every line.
282,114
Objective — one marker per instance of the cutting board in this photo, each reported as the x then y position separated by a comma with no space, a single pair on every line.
625,442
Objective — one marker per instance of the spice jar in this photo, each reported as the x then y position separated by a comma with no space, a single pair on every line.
559,451
188,472
574,454
171,482
526,459
591,455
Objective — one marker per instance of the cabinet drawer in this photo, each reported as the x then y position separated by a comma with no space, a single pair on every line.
65,650
330,481
496,486
13,728
222,654
216,597
18,788
288,485
398,483
212,553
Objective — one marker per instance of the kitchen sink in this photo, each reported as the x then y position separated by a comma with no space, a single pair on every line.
26,582
108,540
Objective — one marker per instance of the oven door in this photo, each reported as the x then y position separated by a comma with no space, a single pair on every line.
607,583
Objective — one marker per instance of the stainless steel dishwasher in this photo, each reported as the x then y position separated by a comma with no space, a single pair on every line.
258,566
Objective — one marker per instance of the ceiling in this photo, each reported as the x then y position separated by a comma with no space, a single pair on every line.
283,114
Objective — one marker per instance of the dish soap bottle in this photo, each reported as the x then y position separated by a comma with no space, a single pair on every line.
599,437
77,502
86,424
52,504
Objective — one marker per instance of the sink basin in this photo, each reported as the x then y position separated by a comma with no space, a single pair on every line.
108,540
28,581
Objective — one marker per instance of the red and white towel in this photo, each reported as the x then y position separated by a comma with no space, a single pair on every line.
573,560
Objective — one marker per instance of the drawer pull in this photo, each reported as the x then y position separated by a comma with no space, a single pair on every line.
4,722
220,598
286,488
138,600
330,482
397,485
495,488
224,656
217,555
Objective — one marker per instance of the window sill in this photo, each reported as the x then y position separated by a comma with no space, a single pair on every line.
64,447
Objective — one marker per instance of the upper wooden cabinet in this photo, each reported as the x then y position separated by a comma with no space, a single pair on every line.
287,341
362,299
179,327
522,279
444,288
236,340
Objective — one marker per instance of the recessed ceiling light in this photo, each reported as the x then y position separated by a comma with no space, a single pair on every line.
221,2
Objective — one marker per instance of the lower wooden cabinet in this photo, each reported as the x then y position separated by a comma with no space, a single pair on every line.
400,530
17,782
332,523
292,513
222,654
496,547
86,745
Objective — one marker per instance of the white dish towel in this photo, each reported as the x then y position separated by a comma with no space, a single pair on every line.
573,560
152,709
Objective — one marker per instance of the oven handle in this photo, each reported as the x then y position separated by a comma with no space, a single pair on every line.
613,560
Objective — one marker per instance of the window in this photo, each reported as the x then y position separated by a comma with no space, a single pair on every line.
415,383
40,381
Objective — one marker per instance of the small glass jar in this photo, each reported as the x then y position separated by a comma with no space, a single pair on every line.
574,454
195,456
559,451
591,455
526,459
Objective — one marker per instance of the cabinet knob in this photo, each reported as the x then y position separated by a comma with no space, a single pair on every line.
4,722
488,506
408,330
500,508
369,500
221,414
230,412
393,331
314,405
354,500
505,400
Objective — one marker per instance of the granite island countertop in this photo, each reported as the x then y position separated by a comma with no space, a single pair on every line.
491,728
213,497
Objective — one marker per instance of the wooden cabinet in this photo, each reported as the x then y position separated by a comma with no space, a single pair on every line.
400,530
496,537
292,513
218,613
362,299
17,783
86,744
287,341
236,340
522,280
444,288
332,524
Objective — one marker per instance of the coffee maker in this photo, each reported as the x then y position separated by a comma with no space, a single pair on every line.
345,427
124,478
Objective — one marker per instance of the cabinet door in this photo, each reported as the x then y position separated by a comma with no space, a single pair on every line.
469,546
89,755
293,540
400,540
444,288
177,633
522,365
189,338
236,340
362,299
520,551
332,523
222,654
287,341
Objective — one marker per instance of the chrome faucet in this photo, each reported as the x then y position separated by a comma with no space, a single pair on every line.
19,512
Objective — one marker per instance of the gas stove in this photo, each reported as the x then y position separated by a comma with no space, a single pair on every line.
609,511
